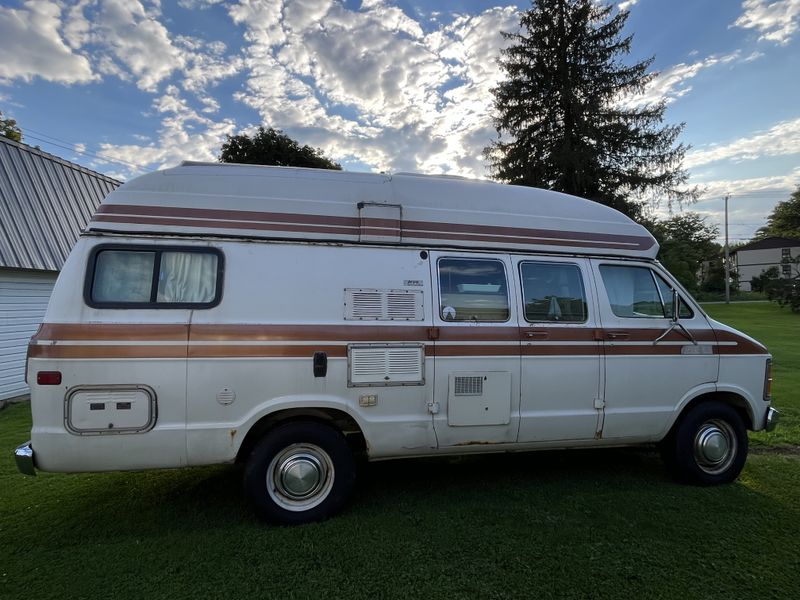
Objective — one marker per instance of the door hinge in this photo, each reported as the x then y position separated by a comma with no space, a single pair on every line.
433,333
599,403
433,408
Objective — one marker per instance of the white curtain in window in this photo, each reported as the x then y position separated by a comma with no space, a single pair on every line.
187,277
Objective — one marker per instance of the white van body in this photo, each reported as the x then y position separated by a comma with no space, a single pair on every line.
412,315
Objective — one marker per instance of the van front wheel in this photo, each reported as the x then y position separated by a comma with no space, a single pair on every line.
708,446
300,472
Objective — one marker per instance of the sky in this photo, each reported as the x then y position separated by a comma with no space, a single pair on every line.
130,86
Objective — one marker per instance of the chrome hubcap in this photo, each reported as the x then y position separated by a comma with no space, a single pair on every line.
715,446
300,477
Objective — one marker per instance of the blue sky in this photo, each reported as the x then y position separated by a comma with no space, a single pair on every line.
128,86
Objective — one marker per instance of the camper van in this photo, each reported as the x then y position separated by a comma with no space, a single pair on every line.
299,320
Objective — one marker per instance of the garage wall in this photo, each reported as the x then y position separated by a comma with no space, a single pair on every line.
23,301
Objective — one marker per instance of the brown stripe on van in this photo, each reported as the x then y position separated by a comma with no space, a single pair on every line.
208,224
642,242
217,218
235,215
277,333
228,351
743,345
107,351
113,331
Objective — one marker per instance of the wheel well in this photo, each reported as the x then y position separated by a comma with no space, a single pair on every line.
734,400
338,419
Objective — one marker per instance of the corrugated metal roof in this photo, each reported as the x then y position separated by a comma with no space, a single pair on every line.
45,203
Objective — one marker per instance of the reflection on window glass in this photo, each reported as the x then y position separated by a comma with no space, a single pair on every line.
553,292
473,290
666,295
632,291
187,277
123,276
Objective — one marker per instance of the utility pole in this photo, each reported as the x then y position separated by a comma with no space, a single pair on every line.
727,264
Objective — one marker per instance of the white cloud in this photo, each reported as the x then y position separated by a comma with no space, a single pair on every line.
370,85
32,46
673,82
776,20
626,5
751,202
135,39
185,134
781,139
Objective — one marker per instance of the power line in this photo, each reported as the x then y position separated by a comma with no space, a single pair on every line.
73,147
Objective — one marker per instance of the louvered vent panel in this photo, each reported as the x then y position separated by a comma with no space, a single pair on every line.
468,386
386,365
383,305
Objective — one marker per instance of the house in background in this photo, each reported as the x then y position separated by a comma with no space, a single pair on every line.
756,257
45,202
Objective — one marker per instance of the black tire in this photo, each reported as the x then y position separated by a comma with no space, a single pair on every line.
300,472
708,446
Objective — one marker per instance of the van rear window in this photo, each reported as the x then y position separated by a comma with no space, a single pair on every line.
138,277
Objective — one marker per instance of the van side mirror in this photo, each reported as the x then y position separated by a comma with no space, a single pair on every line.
676,305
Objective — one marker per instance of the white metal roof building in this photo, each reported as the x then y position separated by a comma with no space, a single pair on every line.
45,202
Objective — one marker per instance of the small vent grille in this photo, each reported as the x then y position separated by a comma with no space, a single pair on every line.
383,305
386,365
468,386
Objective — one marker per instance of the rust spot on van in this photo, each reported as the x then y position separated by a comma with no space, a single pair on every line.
232,433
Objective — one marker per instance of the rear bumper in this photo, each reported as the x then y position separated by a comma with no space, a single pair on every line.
773,416
24,457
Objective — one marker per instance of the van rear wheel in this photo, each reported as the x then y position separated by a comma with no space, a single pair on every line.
300,472
708,446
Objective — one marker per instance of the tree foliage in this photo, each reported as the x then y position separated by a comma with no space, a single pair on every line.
10,129
687,242
561,116
784,221
786,290
273,147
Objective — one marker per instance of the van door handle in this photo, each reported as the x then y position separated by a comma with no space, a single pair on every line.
537,335
618,335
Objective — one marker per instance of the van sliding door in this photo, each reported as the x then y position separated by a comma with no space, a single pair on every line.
476,384
561,355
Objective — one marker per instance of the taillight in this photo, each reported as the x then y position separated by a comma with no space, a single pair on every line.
768,381
48,378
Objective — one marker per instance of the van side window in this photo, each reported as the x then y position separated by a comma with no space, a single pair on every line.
553,292
473,290
156,278
632,291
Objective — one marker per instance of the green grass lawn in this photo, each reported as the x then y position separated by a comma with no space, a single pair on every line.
581,524
779,329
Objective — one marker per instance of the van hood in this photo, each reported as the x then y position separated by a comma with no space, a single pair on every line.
747,344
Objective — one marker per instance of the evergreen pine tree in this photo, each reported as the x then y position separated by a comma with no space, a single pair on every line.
562,118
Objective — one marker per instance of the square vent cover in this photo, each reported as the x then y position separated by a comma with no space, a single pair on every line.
386,364
362,304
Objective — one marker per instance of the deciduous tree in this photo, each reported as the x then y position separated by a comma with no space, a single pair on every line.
784,221
10,129
273,147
